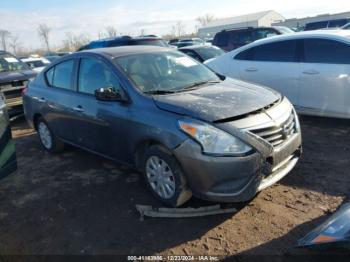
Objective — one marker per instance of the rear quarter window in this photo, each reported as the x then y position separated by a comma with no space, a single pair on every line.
61,75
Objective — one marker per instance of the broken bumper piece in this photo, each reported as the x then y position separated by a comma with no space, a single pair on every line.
182,212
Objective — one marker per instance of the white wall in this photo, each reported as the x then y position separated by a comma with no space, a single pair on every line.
210,32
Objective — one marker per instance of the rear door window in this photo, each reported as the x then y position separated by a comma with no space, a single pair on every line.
263,33
326,51
283,51
222,39
242,37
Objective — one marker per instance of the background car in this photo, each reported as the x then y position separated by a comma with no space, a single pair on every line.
125,41
189,42
229,40
8,160
346,26
202,52
170,117
310,68
336,23
14,76
36,63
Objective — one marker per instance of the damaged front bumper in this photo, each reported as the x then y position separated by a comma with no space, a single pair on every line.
236,179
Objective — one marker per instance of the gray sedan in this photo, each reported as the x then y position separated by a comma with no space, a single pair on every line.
186,129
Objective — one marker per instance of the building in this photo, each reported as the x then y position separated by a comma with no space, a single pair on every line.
300,22
265,18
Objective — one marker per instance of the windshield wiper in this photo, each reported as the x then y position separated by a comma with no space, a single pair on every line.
199,83
158,92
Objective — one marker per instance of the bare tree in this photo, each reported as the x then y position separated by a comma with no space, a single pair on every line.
4,36
178,29
111,31
73,41
14,43
44,33
205,19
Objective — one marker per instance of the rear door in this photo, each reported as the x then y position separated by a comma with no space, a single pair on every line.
55,99
8,162
274,65
325,76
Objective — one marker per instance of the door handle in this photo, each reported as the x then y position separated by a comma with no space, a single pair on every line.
311,72
42,99
78,109
251,69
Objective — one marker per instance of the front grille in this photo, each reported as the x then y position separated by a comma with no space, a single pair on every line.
277,134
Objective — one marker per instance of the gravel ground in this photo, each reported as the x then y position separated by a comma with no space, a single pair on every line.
79,203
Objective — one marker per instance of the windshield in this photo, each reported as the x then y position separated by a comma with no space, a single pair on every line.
168,71
210,52
284,30
9,63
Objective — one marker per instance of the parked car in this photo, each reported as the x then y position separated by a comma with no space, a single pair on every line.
187,130
14,76
173,41
229,40
8,162
124,41
202,52
189,42
346,26
36,63
335,23
310,68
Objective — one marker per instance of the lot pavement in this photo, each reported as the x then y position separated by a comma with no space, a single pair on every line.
79,203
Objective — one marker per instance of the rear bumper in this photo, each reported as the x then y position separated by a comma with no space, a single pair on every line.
235,179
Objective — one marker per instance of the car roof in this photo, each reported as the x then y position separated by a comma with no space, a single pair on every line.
197,47
126,50
29,59
334,34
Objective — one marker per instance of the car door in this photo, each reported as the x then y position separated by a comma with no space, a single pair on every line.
8,161
54,98
325,76
274,65
100,126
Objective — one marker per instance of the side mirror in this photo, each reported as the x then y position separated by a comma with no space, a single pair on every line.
108,94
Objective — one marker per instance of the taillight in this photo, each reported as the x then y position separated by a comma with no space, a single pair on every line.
24,90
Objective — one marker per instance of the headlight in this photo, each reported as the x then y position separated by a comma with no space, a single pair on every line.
213,140
334,230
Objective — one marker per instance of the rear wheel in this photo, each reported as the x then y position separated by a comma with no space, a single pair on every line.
164,177
47,138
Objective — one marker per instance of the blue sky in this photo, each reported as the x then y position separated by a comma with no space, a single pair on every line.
21,17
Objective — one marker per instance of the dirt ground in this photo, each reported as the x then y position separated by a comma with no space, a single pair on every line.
79,203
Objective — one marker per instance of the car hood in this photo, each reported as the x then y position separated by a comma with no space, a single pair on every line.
227,99
6,77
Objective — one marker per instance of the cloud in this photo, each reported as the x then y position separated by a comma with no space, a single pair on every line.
155,18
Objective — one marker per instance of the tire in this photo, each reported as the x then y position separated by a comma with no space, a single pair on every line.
164,176
47,138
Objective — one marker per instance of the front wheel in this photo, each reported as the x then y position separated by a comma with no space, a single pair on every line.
164,177
47,138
